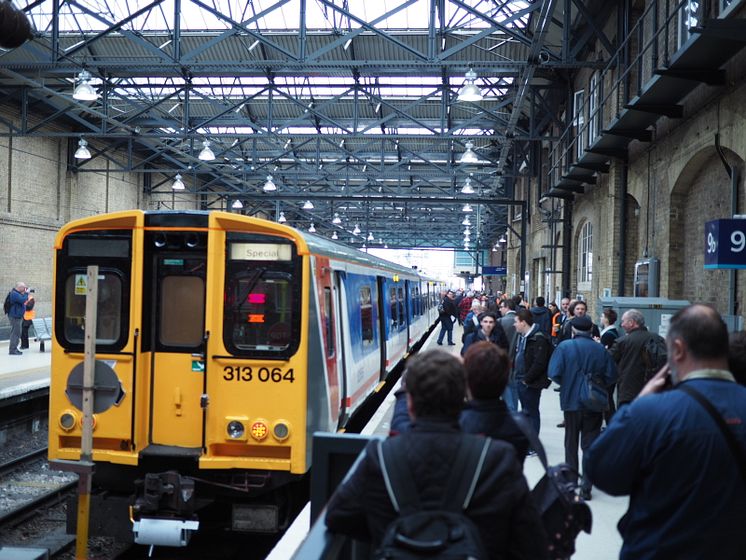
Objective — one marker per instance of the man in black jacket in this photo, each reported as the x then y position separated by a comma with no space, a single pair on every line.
501,508
530,358
447,316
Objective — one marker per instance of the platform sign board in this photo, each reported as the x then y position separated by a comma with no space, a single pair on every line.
725,244
494,271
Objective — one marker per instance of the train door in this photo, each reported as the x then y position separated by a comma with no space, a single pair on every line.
341,336
175,315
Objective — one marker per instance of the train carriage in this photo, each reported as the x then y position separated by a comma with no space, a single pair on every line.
223,342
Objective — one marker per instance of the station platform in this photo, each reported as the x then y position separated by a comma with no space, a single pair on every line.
22,374
604,542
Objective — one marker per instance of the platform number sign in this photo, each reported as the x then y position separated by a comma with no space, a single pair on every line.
725,244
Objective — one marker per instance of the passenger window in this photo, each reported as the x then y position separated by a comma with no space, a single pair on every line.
400,302
329,323
109,313
182,310
393,308
366,316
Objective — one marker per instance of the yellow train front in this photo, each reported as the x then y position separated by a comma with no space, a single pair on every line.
217,358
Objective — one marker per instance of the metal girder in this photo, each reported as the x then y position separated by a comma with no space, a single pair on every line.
348,110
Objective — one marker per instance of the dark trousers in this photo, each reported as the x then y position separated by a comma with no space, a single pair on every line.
446,326
609,412
24,333
529,398
583,426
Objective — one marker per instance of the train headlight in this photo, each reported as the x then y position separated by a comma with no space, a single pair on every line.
93,422
67,421
281,430
236,430
259,430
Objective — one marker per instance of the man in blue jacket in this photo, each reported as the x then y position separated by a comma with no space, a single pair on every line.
687,492
18,297
570,363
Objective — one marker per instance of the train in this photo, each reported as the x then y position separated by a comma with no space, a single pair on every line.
222,343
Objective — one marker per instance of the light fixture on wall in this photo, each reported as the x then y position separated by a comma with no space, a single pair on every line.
237,204
336,220
206,154
308,205
84,90
269,185
311,228
282,218
469,156
178,183
467,188
82,152
470,91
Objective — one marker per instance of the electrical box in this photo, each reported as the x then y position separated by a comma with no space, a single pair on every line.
647,275
657,311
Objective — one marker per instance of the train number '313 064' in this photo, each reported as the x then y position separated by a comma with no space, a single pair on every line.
262,374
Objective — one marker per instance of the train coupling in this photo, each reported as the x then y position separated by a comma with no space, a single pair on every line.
163,512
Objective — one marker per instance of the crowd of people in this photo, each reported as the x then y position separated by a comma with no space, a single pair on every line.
674,438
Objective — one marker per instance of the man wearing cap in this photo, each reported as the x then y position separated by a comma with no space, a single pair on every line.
568,367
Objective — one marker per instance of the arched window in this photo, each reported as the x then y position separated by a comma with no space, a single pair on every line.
585,255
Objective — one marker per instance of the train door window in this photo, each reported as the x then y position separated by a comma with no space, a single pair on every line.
329,322
109,311
366,316
182,310
400,305
393,308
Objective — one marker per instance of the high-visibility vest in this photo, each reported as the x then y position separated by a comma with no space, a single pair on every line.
29,314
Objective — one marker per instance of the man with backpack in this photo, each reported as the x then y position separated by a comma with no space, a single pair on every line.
427,470
639,355
447,313
16,307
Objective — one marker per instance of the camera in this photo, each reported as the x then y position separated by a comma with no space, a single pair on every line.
31,291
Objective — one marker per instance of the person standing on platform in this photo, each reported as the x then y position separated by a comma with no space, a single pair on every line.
447,313
531,358
541,315
28,319
507,321
489,330
570,363
501,507
670,456
18,298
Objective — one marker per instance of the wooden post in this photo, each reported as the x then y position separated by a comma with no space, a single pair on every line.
86,442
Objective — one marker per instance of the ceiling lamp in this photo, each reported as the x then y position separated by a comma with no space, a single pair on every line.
269,186
469,156
334,235
466,231
82,152
84,90
282,218
237,204
466,221
311,228
467,188
308,205
356,231
502,239
363,247
178,183
494,249
467,208
206,154
370,236
386,246
336,220
470,91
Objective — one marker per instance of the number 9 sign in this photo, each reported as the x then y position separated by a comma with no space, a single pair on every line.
725,244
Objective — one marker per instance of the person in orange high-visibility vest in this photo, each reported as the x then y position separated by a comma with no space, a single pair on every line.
28,317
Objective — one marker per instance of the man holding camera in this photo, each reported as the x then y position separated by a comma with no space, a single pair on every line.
18,299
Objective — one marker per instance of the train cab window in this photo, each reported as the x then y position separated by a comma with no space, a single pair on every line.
366,315
262,298
394,309
182,310
109,310
328,322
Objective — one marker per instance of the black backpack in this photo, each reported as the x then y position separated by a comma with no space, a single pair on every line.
6,305
445,532
654,355
563,513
